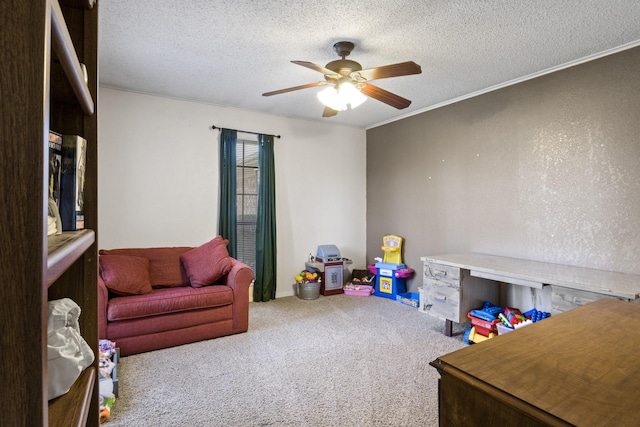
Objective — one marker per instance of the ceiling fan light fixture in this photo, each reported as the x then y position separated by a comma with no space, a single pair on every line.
341,97
330,98
349,84
351,95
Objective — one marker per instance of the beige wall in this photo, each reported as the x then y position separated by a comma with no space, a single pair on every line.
158,178
547,170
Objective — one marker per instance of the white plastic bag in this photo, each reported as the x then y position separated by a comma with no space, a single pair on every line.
68,354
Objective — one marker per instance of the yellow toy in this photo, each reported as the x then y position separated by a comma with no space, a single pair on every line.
392,247
306,277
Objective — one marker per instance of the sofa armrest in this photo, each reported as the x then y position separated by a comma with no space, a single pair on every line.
239,279
103,299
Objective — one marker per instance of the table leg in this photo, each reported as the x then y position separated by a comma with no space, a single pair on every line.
448,327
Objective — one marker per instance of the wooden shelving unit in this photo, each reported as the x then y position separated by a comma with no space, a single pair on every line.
43,87
72,408
64,250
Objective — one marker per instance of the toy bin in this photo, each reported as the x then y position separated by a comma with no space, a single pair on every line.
503,329
484,327
358,290
412,299
309,290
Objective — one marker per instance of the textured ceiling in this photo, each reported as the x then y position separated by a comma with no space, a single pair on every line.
229,52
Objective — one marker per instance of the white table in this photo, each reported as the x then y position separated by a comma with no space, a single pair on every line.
454,284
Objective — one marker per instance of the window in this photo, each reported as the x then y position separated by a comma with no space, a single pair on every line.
247,176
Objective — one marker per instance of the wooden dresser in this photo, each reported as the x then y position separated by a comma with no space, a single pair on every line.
581,367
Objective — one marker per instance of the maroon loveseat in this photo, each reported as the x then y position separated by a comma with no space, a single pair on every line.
152,298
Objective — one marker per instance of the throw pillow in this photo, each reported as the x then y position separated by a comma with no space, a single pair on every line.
125,275
207,263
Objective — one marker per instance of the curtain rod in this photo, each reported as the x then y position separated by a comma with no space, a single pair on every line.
214,127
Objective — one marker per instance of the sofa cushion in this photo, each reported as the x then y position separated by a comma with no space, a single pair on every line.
207,263
165,267
125,275
168,300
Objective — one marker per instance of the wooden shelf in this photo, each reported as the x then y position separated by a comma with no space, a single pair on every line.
64,250
80,4
66,53
71,409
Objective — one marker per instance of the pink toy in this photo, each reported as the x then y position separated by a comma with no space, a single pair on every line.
372,268
403,273
358,290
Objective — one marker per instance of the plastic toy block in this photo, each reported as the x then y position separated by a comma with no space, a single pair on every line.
523,324
535,316
471,336
483,327
488,312
514,315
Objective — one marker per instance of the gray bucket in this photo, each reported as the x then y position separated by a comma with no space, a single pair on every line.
309,290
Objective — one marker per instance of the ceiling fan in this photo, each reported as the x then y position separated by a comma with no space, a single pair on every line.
350,83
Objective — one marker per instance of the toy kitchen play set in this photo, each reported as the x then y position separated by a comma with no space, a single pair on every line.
390,272
331,266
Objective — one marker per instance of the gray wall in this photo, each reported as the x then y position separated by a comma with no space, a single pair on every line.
546,170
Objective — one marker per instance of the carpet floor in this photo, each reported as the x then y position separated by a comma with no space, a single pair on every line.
336,361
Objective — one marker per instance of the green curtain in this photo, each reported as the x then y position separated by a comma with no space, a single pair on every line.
264,288
228,211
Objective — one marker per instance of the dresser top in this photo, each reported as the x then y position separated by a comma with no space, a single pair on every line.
581,366
587,279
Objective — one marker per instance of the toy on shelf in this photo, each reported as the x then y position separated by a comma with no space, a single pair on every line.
390,271
514,316
535,315
492,320
484,323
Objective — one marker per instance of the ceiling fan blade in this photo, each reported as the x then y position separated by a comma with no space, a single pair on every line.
329,112
386,71
385,96
291,89
318,68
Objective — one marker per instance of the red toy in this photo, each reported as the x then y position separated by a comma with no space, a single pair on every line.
514,316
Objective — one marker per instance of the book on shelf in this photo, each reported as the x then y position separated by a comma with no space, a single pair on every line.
54,223
74,155
55,165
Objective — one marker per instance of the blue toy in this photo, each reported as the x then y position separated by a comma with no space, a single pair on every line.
391,272
535,315
488,312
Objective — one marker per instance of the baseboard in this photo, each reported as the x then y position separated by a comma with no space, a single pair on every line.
280,293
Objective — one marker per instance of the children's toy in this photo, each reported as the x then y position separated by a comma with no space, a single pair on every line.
532,316
361,290
523,324
514,316
391,272
535,315
488,312
403,273
412,299
108,386
503,329
471,336
484,323
392,247
492,320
